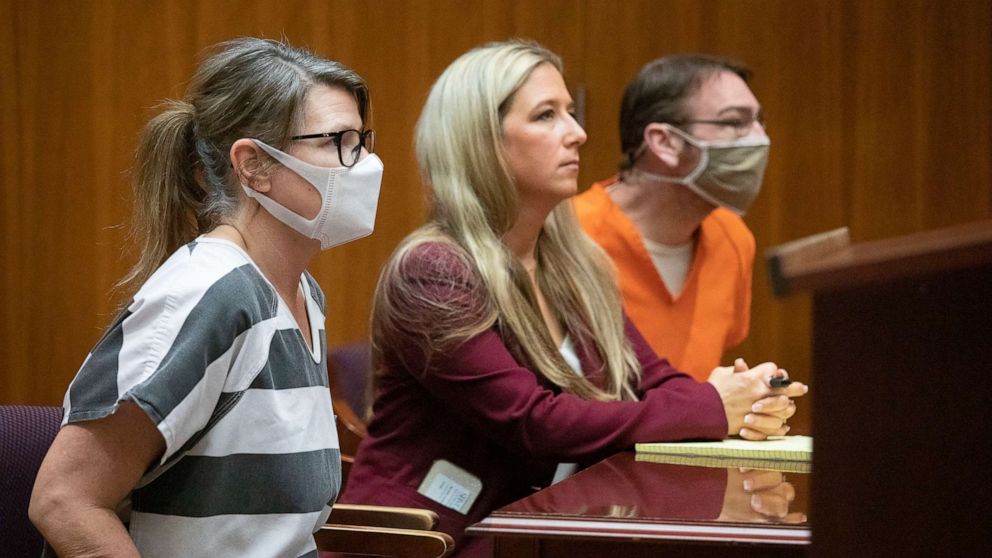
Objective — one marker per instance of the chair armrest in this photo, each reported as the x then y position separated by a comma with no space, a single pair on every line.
383,541
383,516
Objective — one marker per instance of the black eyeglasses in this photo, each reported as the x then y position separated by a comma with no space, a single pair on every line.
740,125
349,143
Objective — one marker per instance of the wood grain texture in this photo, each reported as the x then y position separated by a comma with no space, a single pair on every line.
879,115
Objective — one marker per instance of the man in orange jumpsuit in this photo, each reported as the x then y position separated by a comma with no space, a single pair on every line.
694,154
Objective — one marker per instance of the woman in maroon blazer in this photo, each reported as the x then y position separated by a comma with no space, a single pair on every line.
503,356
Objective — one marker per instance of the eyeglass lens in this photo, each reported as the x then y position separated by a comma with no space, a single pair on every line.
351,143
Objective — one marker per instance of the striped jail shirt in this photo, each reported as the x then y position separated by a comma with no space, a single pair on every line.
213,356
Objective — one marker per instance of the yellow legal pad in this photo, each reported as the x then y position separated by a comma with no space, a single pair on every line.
779,453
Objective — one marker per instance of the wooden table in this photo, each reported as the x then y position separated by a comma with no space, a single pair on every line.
628,508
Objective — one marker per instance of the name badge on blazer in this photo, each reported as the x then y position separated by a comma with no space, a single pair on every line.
451,486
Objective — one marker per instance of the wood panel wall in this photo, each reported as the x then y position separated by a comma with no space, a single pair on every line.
879,114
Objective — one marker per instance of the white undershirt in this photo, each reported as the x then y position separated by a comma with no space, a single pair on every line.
568,352
672,263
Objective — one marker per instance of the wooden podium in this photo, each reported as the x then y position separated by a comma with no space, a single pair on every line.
901,390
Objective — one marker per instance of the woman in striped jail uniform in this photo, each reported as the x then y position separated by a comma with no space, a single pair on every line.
201,423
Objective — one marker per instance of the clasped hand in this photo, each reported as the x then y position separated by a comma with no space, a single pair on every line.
755,410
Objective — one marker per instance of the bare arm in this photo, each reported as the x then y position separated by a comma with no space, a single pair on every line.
89,469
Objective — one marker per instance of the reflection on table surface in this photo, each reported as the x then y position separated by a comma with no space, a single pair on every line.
623,487
626,497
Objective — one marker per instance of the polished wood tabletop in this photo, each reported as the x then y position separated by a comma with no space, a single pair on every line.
646,508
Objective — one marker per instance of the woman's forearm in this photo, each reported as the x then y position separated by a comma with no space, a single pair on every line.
80,531
89,470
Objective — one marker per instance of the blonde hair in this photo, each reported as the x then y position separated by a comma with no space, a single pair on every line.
460,152
184,183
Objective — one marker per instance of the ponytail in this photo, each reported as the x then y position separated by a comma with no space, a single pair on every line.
167,196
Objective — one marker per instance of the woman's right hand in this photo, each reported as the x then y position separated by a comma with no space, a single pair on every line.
740,390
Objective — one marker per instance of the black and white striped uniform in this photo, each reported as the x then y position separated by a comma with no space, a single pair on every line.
213,356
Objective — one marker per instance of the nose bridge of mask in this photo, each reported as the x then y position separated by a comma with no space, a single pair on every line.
706,145
746,141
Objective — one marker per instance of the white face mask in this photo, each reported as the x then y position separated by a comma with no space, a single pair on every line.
729,173
349,199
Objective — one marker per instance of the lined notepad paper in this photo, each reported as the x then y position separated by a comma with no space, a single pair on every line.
780,453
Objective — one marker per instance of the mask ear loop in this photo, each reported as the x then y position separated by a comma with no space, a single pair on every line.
704,159
704,156
242,179
321,179
245,178
311,173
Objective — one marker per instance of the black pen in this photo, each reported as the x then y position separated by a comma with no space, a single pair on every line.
779,381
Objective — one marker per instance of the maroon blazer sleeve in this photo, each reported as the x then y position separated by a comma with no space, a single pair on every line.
481,381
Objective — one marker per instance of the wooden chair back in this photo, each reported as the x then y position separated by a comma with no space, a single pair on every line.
350,422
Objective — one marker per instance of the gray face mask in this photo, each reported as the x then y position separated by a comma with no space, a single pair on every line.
728,174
